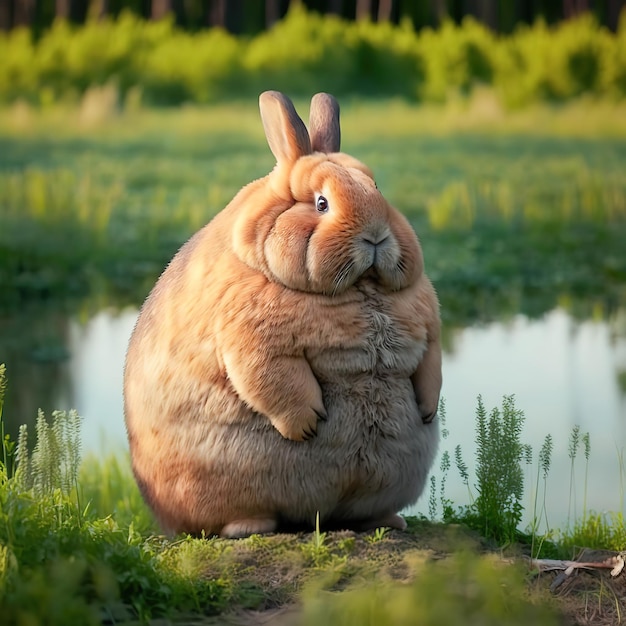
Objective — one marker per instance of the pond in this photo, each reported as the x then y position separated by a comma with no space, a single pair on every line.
563,372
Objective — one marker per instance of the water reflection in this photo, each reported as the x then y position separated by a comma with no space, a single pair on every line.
563,372
96,367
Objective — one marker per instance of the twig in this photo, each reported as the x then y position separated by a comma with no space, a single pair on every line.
614,563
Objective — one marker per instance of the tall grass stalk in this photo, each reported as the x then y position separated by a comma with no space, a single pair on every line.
587,450
543,468
572,451
6,444
622,477
440,499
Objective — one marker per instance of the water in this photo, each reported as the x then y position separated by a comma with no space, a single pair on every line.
562,372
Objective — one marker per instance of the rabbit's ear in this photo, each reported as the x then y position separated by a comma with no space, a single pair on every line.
324,123
286,133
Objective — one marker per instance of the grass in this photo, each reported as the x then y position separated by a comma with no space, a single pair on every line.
77,545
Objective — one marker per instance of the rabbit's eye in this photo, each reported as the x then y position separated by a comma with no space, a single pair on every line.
321,204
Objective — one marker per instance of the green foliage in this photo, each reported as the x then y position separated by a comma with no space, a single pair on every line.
377,535
496,512
456,58
307,52
108,487
597,531
62,563
317,551
480,590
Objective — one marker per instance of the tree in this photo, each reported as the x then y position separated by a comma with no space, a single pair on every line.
99,8
272,12
160,8
363,9
440,9
487,13
5,16
62,9
335,6
226,14
24,12
385,8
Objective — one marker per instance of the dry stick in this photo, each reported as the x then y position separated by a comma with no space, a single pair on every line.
614,563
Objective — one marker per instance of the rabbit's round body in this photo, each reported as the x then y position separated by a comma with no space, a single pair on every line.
287,362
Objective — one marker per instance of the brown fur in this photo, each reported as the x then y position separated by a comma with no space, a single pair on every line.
288,361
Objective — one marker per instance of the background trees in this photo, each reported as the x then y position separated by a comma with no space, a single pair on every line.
252,16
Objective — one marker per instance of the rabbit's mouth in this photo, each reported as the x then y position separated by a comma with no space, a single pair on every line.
372,273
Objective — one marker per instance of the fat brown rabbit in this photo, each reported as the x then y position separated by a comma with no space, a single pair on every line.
287,363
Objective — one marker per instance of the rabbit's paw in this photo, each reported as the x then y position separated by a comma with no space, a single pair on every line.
390,520
301,426
246,527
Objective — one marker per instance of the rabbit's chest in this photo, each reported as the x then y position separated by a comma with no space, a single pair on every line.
384,349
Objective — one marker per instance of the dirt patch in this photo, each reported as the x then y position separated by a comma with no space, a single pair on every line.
273,574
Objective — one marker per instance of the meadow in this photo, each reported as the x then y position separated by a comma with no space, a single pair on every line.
533,204
518,212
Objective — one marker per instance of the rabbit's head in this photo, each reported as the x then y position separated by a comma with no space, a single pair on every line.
319,223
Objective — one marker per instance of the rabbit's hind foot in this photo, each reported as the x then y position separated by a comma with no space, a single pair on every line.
246,527
391,520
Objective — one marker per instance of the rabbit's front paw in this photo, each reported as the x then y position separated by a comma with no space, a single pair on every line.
301,426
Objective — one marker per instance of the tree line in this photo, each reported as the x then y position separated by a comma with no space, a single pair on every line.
253,16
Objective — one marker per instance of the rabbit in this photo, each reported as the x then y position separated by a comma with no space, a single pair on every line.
286,366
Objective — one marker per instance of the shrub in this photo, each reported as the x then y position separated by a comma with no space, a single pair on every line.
542,63
303,50
308,52
457,57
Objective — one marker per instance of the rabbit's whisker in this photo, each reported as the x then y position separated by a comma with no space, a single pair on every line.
342,275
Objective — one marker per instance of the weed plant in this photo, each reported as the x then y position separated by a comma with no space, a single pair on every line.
496,510
544,461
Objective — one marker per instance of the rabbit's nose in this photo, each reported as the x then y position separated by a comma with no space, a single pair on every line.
375,241
376,235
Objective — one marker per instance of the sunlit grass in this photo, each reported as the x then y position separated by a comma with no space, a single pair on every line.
481,112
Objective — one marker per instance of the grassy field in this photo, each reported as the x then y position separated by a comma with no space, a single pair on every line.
516,212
